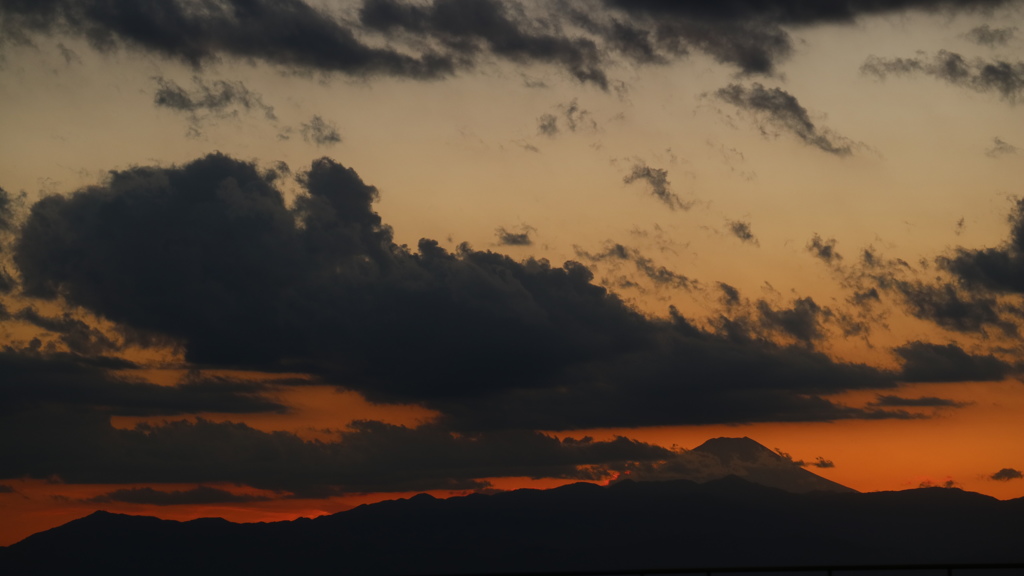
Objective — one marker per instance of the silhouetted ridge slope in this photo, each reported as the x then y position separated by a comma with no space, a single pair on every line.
728,521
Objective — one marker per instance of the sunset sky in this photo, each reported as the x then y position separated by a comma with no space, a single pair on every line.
264,259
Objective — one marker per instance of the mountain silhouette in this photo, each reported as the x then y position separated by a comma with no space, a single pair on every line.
628,525
756,463
742,457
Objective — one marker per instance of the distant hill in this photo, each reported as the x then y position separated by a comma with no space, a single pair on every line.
743,457
724,522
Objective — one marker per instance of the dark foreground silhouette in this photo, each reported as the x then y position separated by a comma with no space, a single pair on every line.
724,522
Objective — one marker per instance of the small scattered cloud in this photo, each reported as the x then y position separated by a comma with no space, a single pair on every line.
986,35
320,132
518,237
574,117
657,179
782,110
1000,148
220,99
820,462
825,250
893,401
999,76
1007,474
742,231
659,275
547,125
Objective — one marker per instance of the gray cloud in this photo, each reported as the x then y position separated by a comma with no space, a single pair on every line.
1007,474
782,110
547,125
79,337
925,362
657,179
889,400
825,250
30,380
950,307
742,231
574,117
985,35
790,11
197,495
803,321
730,294
660,275
284,32
320,132
1000,148
468,28
999,269
210,256
515,238
221,97
999,76
82,447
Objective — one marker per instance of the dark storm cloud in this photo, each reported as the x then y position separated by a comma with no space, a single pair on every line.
320,132
1007,474
985,35
657,179
889,400
1000,148
29,380
925,362
825,250
221,97
742,231
998,269
469,27
82,447
209,255
1004,78
197,495
285,32
783,111
512,238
